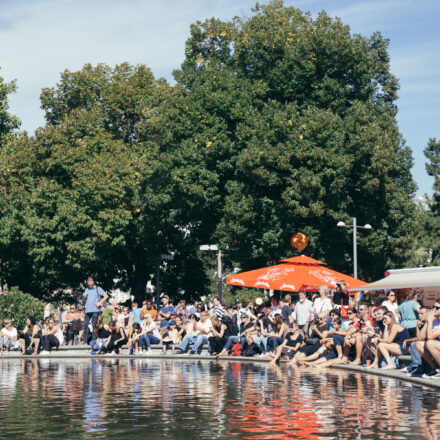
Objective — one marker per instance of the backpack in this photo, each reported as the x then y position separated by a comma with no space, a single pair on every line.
236,350
252,350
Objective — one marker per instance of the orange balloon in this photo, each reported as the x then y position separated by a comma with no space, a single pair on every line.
299,241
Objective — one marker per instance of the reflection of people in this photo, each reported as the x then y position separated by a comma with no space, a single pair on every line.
94,297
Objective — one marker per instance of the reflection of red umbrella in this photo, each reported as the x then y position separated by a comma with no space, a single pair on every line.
293,274
275,420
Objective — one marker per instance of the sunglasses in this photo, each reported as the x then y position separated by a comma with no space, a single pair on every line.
436,307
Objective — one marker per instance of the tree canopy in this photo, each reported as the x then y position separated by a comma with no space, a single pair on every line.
277,124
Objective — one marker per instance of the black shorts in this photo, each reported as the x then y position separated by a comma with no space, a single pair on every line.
310,349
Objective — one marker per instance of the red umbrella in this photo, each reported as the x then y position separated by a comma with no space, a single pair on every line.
293,274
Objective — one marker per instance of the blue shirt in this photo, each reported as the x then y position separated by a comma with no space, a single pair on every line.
409,315
93,295
137,316
166,310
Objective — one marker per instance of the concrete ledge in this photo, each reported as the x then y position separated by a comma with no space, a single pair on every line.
393,374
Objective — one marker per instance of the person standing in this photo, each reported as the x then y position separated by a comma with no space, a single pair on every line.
217,308
392,305
303,313
286,310
95,298
136,313
322,303
409,311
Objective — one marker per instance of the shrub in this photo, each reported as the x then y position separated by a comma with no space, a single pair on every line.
18,306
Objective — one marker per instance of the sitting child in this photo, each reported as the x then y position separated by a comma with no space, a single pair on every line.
169,337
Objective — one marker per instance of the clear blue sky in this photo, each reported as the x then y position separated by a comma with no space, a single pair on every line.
40,38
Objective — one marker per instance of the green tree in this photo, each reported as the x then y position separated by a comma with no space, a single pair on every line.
426,249
297,119
96,191
8,122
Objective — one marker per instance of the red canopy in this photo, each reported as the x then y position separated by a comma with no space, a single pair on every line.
293,274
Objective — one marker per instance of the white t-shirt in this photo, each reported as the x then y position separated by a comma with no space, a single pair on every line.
303,312
392,307
59,335
153,326
11,334
322,305
205,326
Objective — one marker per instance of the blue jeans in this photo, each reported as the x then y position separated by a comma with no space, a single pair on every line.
273,342
98,344
186,341
338,340
87,317
198,345
416,358
232,340
147,340
261,342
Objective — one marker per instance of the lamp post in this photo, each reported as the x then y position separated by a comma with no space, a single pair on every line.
341,224
162,257
214,247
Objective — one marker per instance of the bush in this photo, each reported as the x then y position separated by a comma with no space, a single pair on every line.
18,306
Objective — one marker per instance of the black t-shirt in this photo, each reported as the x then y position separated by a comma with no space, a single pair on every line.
102,333
245,327
286,311
292,342
340,298
231,326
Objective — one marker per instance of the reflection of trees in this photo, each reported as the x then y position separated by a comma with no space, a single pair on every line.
185,399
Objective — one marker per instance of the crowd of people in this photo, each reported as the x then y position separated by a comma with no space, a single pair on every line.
325,329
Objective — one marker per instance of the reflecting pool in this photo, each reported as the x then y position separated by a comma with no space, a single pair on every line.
155,399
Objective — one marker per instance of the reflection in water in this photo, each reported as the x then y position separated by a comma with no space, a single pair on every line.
139,398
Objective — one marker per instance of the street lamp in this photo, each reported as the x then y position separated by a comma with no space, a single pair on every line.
214,247
162,257
341,224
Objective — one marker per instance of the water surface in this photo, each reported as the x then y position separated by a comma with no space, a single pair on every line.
167,399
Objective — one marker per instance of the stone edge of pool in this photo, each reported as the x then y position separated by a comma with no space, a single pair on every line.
392,374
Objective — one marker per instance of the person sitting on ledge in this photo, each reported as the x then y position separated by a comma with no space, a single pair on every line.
313,346
416,357
116,339
291,344
30,337
334,348
430,348
204,328
149,334
134,344
101,333
391,343
219,335
8,336
246,327
169,336
52,337
280,330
